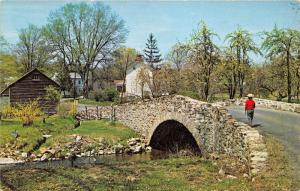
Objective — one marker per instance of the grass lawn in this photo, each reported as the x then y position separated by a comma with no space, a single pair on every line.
94,102
27,140
61,130
175,173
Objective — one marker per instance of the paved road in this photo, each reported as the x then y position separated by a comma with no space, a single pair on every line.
283,125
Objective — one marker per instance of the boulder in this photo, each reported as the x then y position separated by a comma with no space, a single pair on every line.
47,136
44,157
221,172
231,176
137,149
78,138
24,155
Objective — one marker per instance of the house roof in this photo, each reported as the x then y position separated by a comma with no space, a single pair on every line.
118,82
27,74
72,75
135,66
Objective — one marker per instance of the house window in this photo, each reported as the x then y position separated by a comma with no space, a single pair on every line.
119,88
79,82
36,77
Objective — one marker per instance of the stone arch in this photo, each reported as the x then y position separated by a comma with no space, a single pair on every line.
173,136
190,127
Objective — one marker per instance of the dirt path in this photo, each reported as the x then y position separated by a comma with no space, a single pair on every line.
284,126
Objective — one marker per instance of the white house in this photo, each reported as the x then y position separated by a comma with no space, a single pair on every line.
75,79
135,86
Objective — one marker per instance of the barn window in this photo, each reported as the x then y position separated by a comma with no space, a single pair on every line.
36,77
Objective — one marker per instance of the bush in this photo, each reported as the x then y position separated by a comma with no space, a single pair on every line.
112,94
67,109
190,94
52,94
99,95
28,112
107,94
8,111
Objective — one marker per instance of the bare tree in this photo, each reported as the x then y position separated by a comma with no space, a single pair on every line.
85,36
178,55
31,48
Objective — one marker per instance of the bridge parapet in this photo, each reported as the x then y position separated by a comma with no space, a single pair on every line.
269,104
214,130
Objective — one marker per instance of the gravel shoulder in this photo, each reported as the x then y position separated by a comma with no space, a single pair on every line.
284,126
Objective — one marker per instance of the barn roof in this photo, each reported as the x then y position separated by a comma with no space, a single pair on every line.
27,74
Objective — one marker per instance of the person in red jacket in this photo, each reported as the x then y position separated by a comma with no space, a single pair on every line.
249,108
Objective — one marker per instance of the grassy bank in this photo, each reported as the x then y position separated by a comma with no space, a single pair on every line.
175,173
94,102
61,130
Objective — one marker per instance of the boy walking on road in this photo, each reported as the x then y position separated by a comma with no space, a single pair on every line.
249,108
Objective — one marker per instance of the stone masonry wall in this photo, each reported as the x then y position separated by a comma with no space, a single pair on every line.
212,127
269,104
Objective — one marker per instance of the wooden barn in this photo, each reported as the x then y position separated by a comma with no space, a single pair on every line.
31,86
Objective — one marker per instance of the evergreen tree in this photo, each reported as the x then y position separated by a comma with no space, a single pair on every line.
151,51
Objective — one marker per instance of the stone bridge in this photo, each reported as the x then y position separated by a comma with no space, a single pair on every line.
184,122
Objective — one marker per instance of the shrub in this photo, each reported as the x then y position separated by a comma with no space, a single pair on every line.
67,109
52,94
8,111
28,112
190,94
112,94
107,94
99,95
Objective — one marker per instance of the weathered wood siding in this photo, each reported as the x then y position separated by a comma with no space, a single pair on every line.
28,89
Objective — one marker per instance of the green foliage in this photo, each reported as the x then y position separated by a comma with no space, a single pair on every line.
9,70
283,45
171,174
67,109
52,94
241,44
190,94
108,94
203,59
28,137
63,77
105,129
94,102
3,45
151,51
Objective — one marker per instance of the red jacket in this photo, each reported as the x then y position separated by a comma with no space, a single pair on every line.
249,104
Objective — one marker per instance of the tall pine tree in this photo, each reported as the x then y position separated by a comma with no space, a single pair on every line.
151,51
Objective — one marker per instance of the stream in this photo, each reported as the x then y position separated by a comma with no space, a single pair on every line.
92,160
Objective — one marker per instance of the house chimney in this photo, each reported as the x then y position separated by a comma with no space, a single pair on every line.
139,58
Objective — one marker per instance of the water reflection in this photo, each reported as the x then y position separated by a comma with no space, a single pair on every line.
95,160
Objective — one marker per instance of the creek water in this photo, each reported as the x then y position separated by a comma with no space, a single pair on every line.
93,160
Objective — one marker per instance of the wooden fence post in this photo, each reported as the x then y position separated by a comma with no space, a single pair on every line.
86,113
97,112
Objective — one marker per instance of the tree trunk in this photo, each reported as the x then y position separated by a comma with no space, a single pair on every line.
124,77
85,79
242,85
206,88
298,84
289,81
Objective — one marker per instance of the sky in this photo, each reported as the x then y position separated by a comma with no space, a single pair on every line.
169,21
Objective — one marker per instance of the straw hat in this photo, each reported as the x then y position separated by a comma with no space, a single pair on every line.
250,95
